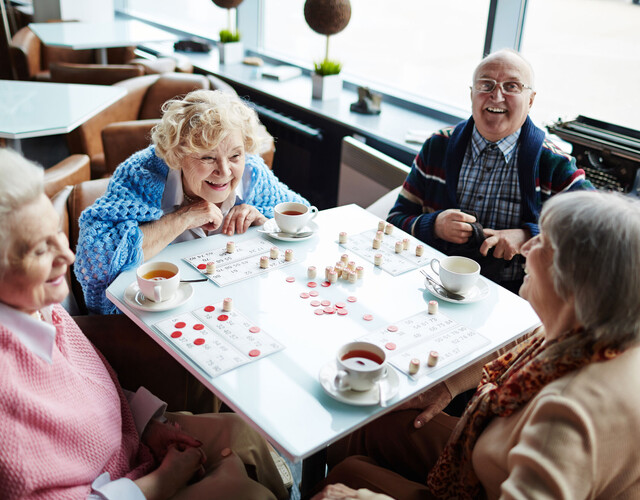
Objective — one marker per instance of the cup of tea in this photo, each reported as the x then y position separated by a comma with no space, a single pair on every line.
158,281
291,217
360,366
457,274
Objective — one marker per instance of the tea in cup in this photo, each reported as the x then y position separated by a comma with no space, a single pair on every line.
360,366
457,274
158,281
291,217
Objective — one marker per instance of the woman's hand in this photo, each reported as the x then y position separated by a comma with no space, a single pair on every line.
431,402
159,437
240,218
506,243
339,491
202,214
179,466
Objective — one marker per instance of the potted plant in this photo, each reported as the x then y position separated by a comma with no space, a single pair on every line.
327,17
230,47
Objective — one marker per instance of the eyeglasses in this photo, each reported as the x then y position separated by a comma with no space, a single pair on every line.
510,88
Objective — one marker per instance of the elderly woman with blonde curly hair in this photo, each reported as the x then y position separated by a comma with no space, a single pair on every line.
199,177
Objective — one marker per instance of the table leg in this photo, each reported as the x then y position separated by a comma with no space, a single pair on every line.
102,55
16,145
313,471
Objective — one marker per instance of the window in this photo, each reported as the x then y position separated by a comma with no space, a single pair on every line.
585,54
416,47
200,17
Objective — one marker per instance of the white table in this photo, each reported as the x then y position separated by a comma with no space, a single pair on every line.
36,109
280,394
83,35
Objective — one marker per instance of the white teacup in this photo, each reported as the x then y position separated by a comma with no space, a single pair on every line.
360,366
291,217
457,274
158,281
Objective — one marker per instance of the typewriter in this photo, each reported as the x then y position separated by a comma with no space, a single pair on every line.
609,154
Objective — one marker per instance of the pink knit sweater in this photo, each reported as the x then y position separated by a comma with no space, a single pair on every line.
63,424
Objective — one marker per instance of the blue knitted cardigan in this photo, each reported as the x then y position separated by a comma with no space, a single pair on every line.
110,239
431,186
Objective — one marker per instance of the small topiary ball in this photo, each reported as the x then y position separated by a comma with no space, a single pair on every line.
227,4
327,17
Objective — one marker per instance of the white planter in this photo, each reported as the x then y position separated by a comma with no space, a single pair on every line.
231,53
326,87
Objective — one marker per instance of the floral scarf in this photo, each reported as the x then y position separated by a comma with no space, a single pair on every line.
508,383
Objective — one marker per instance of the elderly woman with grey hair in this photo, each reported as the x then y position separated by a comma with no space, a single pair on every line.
555,417
67,428
199,177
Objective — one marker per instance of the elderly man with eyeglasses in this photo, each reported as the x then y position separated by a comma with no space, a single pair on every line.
477,189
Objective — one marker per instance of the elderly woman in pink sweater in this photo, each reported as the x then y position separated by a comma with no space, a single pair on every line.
66,427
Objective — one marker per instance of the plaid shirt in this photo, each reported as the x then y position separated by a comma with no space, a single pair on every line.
489,186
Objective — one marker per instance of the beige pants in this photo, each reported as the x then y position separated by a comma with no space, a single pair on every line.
390,456
247,473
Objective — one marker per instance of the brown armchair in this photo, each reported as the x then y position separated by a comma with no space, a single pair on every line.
68,172
32,60
143,101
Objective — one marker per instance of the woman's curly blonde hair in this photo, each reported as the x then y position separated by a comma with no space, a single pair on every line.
200,121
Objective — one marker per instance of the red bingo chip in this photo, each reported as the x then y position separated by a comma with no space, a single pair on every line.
254,329
326,303
313,293
304,295
352,299
314,303
198,326
198,341
180,324
367,317
202,266
312,284
290,279
176,335
392,328
341,305
342,312
325,284
319,312
254,353
390,345
209,309
223,317
329,310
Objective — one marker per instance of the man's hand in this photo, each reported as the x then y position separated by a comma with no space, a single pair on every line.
454,226
431,402
240,218
506,243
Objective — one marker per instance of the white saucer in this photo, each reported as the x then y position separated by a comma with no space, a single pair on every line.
271,229
134,297
479,291
365,398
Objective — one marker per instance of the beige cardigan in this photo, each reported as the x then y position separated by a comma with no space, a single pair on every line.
578,438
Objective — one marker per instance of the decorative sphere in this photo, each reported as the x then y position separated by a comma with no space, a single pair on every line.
327,17
227,4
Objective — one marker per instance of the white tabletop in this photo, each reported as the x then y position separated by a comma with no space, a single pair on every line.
35,109
83,35
280,395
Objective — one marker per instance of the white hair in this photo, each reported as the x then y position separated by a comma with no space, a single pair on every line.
596,241
21,183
